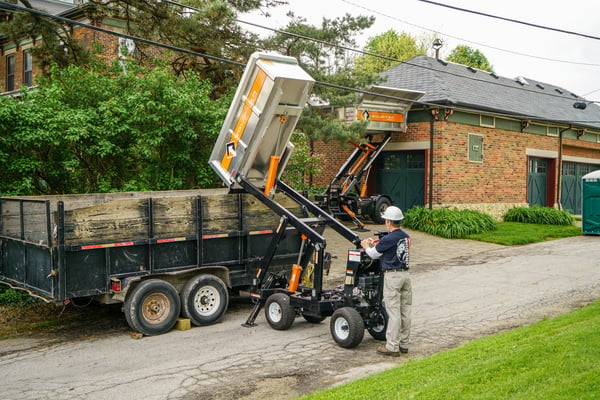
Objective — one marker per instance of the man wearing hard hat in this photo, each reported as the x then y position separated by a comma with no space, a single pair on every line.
392,249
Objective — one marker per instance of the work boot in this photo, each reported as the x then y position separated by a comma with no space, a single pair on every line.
403,350
386,352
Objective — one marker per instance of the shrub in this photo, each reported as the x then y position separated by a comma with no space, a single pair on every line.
539,215
10,296
451,224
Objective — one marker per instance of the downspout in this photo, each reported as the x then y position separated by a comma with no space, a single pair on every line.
432,117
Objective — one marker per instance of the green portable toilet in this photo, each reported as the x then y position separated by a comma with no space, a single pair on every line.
590,210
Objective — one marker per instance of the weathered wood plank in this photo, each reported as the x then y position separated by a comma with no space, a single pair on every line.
109,217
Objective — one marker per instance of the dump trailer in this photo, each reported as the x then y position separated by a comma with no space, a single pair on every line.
346,197
162,254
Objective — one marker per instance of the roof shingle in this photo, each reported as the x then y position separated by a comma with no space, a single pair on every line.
451,84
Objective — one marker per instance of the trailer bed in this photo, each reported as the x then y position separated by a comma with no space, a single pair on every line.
64,247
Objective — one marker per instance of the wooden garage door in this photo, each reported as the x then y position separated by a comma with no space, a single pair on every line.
570,195
401,175
537,180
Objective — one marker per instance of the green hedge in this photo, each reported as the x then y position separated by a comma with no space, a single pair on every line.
448,223
539,215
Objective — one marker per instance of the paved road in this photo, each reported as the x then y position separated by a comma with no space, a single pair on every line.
462,290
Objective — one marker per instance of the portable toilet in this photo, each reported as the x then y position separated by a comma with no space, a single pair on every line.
590,210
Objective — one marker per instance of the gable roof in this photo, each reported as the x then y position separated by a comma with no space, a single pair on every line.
51,7
451,84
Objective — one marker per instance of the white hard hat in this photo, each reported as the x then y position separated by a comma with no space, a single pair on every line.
393,213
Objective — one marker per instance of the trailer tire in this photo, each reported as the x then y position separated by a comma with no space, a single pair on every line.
380,206
204,299
152,307
378,324
347,327
279,312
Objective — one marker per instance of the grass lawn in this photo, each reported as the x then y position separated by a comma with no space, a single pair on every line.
554,359
514,233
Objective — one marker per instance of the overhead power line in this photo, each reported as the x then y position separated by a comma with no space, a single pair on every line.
14,7
510,20
387,15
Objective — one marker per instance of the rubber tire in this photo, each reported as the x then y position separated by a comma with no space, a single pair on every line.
152,293
312,319
196,292
378,332
279,312
347,327
380,205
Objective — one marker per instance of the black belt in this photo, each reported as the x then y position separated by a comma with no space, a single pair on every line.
395,269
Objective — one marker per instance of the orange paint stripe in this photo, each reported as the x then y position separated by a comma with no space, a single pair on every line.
381,116
242,122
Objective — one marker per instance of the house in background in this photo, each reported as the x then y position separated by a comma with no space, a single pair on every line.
481,141
17,67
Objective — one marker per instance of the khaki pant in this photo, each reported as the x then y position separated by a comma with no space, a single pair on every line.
397,296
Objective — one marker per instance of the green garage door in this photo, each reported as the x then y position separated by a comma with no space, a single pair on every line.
401,175
570,191
536,183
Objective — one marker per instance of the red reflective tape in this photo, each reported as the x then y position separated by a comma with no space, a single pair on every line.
179,239
107,245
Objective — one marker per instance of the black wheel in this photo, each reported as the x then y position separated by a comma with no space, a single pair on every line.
313,319
380,205
204,299
347,327
279,312
378,321
152,307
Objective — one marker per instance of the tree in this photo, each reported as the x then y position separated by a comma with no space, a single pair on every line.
326,60
206,27
465,55
97,130
57,45
393,47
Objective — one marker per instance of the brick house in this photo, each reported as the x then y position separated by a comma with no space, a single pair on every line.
17,67
481,141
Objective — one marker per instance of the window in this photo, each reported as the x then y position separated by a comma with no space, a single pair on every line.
10,73
475,148
486,120
552,130
27,68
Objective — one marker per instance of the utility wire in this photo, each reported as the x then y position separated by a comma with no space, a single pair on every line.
367,53
470,41
14,7
510,20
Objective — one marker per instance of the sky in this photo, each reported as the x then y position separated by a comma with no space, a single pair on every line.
565,60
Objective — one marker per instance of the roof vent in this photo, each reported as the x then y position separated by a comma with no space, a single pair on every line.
522,81
493,74
559,91
471,69
540,86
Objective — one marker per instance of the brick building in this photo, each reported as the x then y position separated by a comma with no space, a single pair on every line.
17,67
481,141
